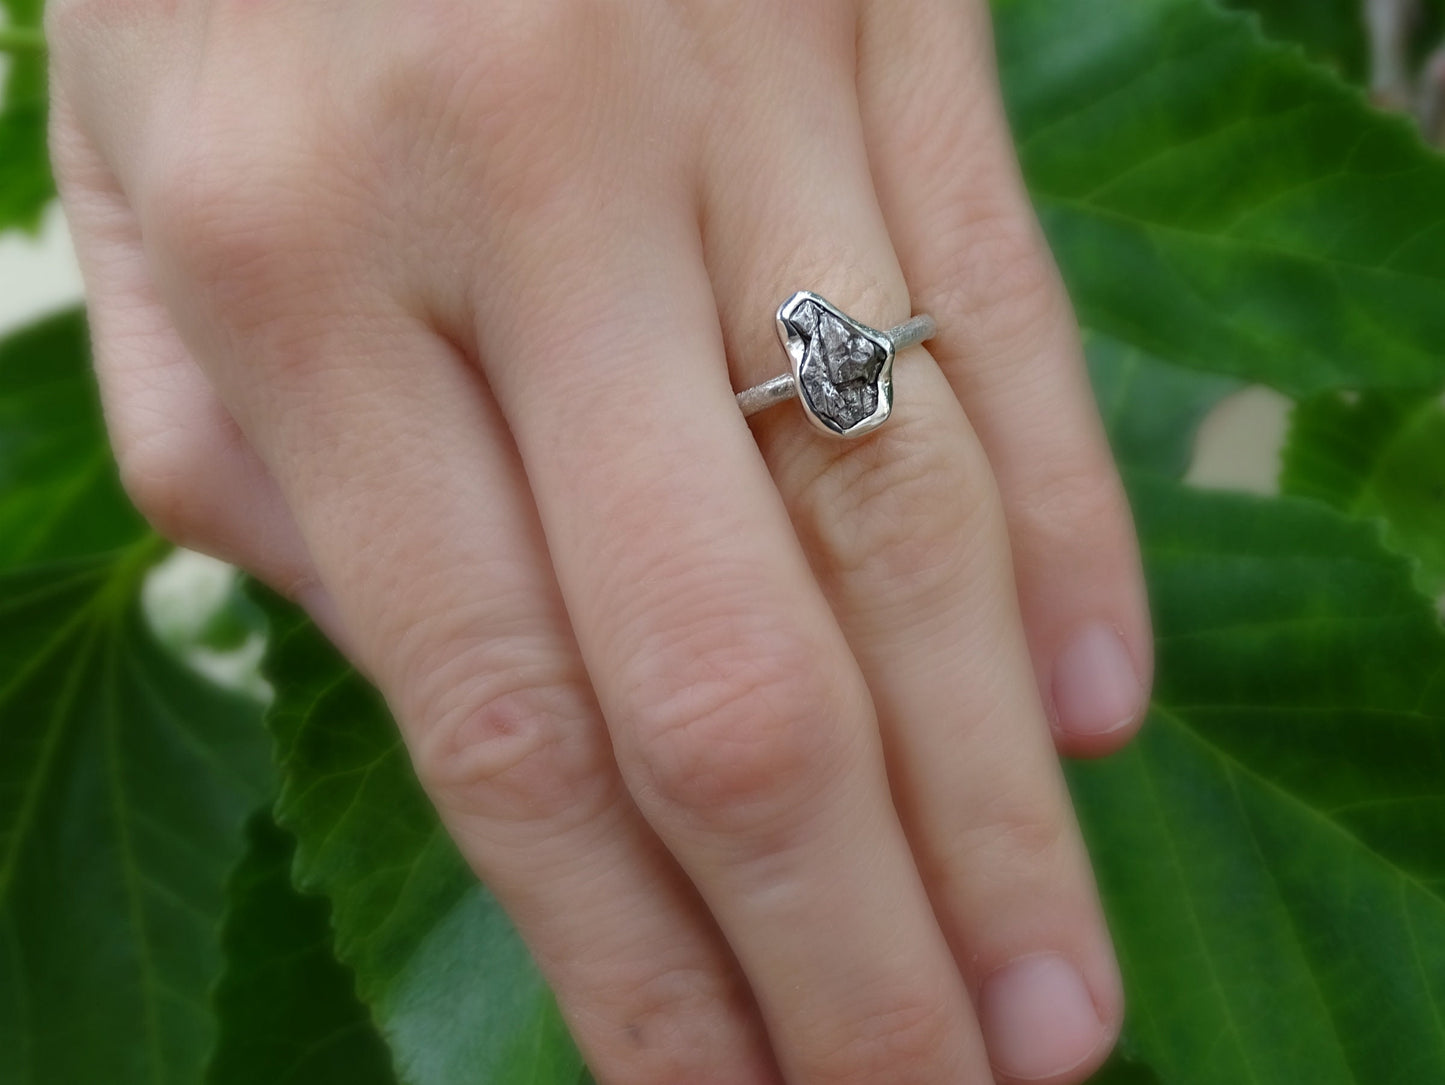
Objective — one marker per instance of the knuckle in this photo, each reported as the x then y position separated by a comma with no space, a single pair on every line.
526,753
242,222
1079,500
909,508
162,481
742,730
906,1039
678,1023
211,223
1007,289
1033,837
1016,837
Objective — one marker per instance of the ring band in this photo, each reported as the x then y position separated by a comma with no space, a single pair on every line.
842,370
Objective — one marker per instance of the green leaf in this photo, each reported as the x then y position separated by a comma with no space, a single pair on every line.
1218,202
25,182
59,493
124,778
1377,455
124,784
288,1011
451,986
1333,31
1269,849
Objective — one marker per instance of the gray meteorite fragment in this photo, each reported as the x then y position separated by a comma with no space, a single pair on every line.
839,371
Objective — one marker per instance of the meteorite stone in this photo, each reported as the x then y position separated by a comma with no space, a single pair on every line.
838,376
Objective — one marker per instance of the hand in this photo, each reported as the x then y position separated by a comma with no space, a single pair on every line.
430,314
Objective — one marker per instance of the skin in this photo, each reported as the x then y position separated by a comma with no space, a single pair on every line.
429,313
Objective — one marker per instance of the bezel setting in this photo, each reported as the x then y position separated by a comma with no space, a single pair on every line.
841,415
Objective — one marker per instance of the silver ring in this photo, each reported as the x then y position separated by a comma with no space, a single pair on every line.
842,369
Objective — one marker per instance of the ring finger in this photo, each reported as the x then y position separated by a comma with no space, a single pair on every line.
906,533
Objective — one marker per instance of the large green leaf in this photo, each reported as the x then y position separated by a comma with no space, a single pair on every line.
288,1012
451,986
25,182
1269,849
1218,202
124,778
124,784
1377,455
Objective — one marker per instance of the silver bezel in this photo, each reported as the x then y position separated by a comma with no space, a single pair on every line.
796,349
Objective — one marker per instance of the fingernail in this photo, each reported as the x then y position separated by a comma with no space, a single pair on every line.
1096,689
1038,1018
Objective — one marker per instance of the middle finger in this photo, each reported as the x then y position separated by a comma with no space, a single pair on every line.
740,720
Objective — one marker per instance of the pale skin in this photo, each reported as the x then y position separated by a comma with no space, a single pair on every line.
430,314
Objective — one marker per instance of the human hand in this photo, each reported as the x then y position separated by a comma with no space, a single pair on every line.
430,315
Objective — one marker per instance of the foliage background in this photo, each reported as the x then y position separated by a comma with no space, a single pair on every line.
186,896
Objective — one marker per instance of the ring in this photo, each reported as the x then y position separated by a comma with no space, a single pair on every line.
842,369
